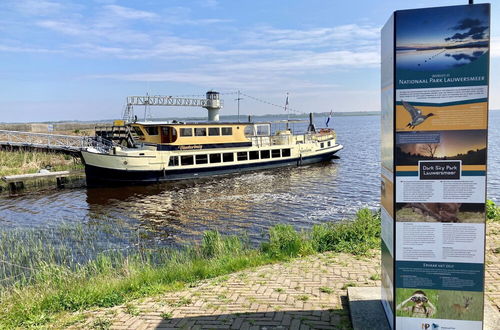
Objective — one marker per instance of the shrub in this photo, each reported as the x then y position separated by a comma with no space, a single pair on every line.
285,241
492,211
357,237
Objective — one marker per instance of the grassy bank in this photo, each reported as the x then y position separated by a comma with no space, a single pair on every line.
26,162
115,278
23,162
58,284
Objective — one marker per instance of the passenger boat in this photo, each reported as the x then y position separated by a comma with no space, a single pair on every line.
171,150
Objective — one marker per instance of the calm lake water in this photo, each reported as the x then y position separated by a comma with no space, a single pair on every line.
170,214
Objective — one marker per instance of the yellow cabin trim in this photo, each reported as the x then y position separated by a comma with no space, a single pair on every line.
164,135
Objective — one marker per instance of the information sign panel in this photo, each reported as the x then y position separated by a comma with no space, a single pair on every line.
435,64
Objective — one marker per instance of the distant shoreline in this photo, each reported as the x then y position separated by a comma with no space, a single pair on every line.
222,117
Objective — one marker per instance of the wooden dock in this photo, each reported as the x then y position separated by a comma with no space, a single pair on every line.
16,182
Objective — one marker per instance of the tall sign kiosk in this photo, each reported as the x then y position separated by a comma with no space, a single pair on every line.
435,64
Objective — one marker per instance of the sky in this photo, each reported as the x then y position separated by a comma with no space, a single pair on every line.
453,143
79,60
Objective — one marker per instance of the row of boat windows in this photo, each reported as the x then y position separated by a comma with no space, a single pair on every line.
187,131
228,157
322,144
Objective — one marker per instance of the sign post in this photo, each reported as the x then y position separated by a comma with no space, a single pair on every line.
435,64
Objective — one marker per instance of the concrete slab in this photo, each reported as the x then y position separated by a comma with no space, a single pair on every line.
366,308
367,311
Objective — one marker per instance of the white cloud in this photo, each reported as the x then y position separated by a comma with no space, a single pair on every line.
495,47
129,13
14,49
351,34
63,27
38,7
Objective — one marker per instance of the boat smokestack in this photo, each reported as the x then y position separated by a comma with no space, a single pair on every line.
311,127
213,105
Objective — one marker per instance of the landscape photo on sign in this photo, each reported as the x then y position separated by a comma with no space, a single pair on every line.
441,212
439,304
441,38
468,146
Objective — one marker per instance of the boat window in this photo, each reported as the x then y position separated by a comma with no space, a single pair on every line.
254,154
173,161
227,131
285,152
186,131
138,130
249,130
200,131
263,130
201,159
264,154
214,131
322,145
151,130
187,160
168,134
215,158
329,143
228,157
242,155
276,153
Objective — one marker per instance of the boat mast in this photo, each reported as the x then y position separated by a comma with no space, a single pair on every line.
238,99
287,112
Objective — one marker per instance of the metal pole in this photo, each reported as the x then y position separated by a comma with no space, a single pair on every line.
238,99
471,2
287,112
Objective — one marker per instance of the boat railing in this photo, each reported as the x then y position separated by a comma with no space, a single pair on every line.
100,144
261,141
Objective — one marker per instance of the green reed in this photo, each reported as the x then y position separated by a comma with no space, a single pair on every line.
25,161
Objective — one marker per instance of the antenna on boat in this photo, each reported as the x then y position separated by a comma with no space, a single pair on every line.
146,106
238,99
288,113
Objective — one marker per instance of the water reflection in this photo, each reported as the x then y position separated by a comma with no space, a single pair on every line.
233,204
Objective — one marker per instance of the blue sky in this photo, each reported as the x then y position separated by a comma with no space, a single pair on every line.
78,60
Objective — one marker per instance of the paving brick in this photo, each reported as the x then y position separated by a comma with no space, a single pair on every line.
250,299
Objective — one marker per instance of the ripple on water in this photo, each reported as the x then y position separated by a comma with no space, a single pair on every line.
246,203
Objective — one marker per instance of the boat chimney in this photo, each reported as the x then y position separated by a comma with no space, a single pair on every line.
213,105
249,118
311,127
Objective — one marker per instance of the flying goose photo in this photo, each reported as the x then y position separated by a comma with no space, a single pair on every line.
416,115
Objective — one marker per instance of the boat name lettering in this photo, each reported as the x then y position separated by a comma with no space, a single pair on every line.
190,147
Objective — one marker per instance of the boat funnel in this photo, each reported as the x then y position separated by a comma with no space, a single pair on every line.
311,127
213,105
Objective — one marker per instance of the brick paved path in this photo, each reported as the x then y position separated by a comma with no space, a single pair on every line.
307,293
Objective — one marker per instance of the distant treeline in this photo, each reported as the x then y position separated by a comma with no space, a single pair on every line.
472,157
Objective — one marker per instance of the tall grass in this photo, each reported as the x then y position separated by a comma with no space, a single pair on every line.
492,211
23,162
56,279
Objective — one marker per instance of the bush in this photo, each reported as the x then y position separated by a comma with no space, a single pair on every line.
492,211
285,241
357,237
215,245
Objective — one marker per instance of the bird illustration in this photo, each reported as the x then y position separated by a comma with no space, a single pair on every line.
416,115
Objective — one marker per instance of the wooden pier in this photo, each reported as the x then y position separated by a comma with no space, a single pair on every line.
16,182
